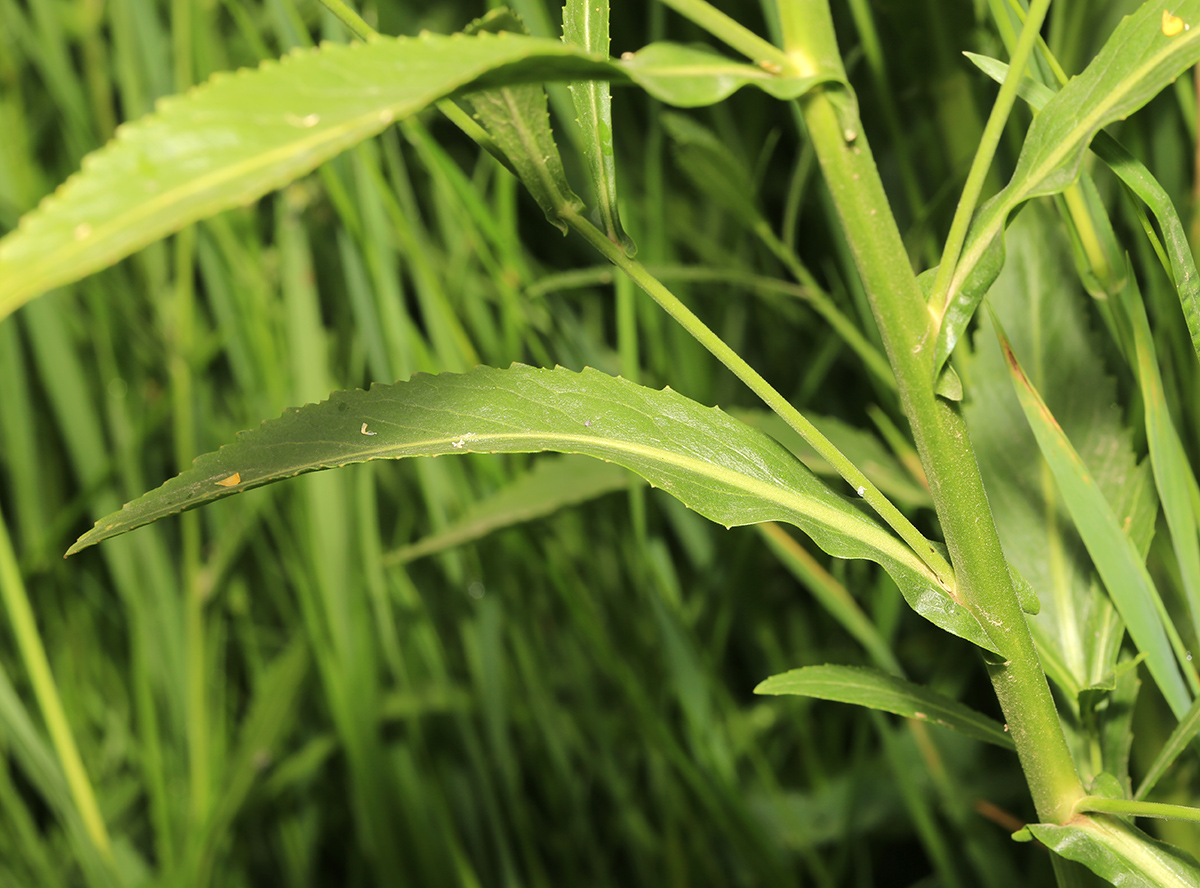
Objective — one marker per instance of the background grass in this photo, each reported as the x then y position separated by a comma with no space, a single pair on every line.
258,699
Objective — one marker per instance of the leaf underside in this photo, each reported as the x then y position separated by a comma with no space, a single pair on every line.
242,135
713,463
878,690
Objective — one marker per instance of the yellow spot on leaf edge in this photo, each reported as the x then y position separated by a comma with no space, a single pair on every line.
232,481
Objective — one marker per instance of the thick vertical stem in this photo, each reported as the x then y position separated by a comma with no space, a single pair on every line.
941,435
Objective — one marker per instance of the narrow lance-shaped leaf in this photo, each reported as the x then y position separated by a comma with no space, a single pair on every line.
1141,182
1141,58
1117,560
242,135
1172,473
878,690
585,24
714,464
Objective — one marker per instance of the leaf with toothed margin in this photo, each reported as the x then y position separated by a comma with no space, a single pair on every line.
239,136
714,464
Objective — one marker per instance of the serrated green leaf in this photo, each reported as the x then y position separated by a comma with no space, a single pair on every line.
879,690
714,464
1137,62
585,24
1117,559
553,483
242,135
1120,853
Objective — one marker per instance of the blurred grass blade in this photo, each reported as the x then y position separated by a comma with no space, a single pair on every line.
1172,473
37,664
714,464
1185,732
1120,853
1137,62
878,690
831,594
585,24
553,483
1116,558
1131,171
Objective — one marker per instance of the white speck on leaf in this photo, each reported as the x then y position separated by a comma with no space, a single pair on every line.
365,432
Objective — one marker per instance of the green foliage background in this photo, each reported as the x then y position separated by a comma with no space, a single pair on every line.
563,702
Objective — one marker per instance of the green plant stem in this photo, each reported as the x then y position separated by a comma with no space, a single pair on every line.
944,445
33,653
771,397
983,156
1102,805
735,35
350,19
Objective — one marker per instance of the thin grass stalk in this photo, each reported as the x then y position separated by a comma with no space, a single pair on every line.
33,653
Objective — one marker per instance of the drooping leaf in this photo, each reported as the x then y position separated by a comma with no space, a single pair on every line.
714,464
242,135
878,690
1120,853
585,24
1117,559
553,483
1137,62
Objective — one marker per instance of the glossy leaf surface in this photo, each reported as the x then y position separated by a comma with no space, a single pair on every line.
242,135
714,464
1120,853
1141,182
